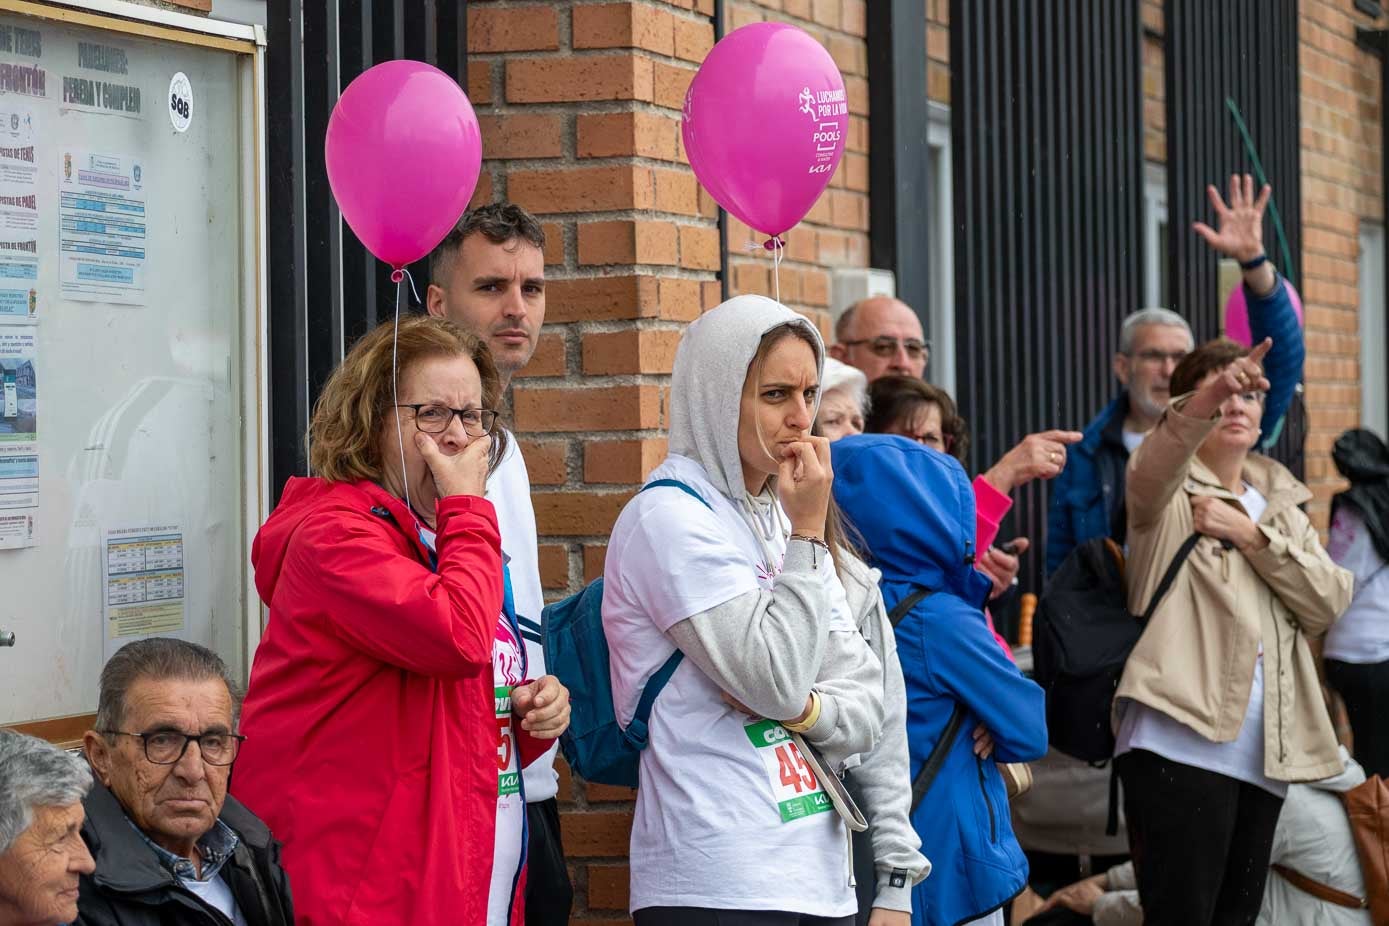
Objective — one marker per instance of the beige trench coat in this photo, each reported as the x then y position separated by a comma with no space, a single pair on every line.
1195,660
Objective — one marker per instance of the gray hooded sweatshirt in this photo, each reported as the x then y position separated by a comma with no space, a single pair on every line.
768,647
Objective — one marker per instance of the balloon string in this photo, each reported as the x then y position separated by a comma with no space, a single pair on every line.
776,270
397,276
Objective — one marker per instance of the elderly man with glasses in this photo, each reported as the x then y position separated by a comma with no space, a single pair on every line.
170,845
882,337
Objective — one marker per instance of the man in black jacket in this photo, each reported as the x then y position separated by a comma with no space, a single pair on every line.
170,845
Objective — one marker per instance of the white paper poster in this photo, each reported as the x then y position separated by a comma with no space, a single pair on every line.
19,450
101,207
143,573
19,210
19,494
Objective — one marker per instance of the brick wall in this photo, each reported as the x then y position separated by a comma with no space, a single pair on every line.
1341,185
579,104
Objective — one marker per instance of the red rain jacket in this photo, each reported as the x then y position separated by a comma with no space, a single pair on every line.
371,740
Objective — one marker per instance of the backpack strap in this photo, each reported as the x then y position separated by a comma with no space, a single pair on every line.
677,484
906,604
531,630
637,731
1170,576
924,778
1320,891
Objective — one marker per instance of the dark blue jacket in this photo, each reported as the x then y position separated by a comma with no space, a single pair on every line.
914,509
1085,498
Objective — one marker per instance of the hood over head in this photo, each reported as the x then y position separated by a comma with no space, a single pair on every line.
914,509
706,390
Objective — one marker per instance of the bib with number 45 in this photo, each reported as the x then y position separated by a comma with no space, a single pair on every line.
795,790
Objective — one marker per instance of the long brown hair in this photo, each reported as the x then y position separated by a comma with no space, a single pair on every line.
343,435
896,400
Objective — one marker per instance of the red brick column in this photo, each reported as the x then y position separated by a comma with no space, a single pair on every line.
1342,183
580,106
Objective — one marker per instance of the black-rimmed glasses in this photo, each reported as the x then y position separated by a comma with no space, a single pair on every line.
166,747
435,419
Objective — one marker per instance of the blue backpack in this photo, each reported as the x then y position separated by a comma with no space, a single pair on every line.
596,747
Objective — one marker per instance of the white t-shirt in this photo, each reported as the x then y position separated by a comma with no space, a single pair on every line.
727,816
1132,439
509,491
216,893
511,810
1143,727
1361,636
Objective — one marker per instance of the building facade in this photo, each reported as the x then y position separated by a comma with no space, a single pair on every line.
1016,108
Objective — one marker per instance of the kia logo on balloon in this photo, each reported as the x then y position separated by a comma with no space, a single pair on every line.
765,121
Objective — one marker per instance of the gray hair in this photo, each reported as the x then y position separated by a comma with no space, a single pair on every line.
158,658
35,773
1166,317
841,376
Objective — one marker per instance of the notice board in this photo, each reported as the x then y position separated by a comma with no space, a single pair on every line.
131,341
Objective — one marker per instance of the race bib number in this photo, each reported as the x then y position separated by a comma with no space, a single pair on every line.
508,778
795,790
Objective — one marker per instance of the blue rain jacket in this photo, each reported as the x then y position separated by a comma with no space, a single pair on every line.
914,510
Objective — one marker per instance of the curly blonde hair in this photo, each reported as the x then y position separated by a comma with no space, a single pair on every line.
343,435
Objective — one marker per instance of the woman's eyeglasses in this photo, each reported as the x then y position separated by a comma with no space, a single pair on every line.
435,419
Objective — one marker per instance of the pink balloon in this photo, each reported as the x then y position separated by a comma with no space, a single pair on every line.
1237,314
765,121
404,151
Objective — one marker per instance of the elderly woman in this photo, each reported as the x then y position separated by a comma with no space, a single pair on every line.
843,401
389,711
1219,705
42,855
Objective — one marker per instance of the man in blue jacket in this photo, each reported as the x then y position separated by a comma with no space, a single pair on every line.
914,509
1087,498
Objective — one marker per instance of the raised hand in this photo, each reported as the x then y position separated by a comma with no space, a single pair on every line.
1036,456
1244,375
1239,231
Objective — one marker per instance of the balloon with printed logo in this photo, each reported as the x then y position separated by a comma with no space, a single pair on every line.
1237,314
765,121
403,150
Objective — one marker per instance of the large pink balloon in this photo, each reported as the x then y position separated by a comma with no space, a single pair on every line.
1237,314
765,121
404,151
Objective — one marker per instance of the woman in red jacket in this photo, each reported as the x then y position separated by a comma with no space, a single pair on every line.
389,714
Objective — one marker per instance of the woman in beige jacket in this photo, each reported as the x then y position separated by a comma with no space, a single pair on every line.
1219,706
